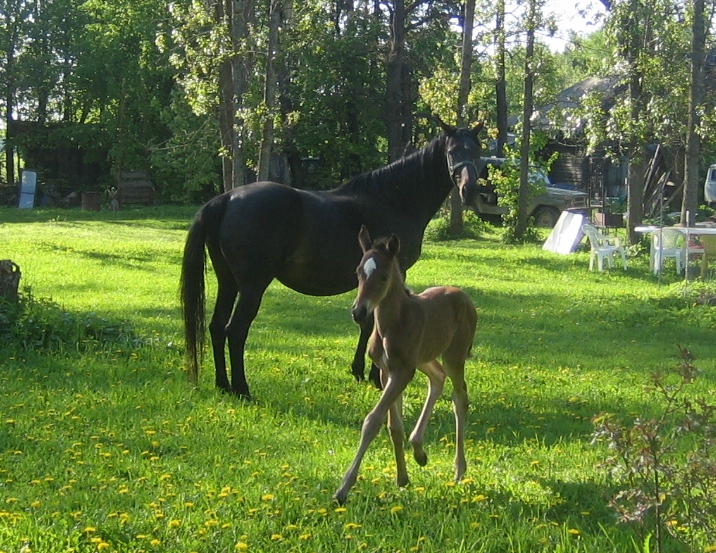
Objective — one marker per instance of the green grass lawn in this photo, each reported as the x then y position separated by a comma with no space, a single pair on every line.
104,446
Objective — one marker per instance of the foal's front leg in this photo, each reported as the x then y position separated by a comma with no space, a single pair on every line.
371,426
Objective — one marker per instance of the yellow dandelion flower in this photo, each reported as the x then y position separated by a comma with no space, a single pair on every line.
155,542
478,498
395,509
276,537
174,523
89,530
573,531
304,537
353,526
102,546
267,497
241,546
340,510
96,540
291,527
35,504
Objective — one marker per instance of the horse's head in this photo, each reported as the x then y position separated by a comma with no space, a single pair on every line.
375,272
462,151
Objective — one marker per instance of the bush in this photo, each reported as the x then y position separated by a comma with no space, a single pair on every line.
438,229
664,464
43,325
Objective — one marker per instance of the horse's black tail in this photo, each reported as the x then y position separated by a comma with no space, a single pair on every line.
192,288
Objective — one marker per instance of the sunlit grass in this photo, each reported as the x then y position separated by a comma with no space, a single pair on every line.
110,449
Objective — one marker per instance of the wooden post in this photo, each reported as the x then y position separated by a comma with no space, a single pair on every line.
9,280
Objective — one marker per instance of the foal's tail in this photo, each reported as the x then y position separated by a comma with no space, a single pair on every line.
192,289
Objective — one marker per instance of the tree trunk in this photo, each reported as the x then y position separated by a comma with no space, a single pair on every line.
456,222
10,101
501,83
523,195
270,90
693,141
394,82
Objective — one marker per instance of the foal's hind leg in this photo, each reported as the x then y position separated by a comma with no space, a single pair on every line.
460,404
436,379
238,330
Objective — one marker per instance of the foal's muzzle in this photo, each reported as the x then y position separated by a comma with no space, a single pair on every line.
359,313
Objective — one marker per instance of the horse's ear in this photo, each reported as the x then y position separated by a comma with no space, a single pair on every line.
393,245
449,130
364,239
475,131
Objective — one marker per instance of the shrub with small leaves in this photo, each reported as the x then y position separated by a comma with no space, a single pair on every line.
664,464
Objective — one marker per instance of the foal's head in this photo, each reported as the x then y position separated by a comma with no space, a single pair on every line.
375,272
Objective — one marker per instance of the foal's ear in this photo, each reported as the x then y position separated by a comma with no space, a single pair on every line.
364,239
393,245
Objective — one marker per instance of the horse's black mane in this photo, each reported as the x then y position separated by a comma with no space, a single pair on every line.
403,174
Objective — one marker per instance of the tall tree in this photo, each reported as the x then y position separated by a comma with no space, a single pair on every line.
502,106
275,13
523,195
693,140
468,22
13,26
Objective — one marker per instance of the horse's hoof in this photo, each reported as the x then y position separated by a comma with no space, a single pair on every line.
340,497
403,481
358,375
421,458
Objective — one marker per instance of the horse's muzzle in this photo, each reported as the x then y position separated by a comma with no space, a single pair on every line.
467,184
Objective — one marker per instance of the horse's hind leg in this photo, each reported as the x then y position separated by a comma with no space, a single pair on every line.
238,330
225,300
436,379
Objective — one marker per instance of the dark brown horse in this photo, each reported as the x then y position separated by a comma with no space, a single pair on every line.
306,240
410,332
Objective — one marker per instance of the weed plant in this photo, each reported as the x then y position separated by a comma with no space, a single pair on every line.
107,448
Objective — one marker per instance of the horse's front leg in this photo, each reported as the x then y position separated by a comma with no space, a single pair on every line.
371,426
238,330
358,364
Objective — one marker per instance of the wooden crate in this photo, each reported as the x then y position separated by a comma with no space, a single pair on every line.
136,188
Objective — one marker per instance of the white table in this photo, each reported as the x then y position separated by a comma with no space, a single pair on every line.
697,230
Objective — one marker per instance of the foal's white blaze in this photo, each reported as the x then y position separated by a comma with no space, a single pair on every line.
369,266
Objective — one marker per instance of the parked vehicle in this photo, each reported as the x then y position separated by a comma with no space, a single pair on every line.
545,208
710,187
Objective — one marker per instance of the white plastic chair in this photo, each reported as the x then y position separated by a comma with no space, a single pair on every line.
667,244
603,247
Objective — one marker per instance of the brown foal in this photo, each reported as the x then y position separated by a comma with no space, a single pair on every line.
411,332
